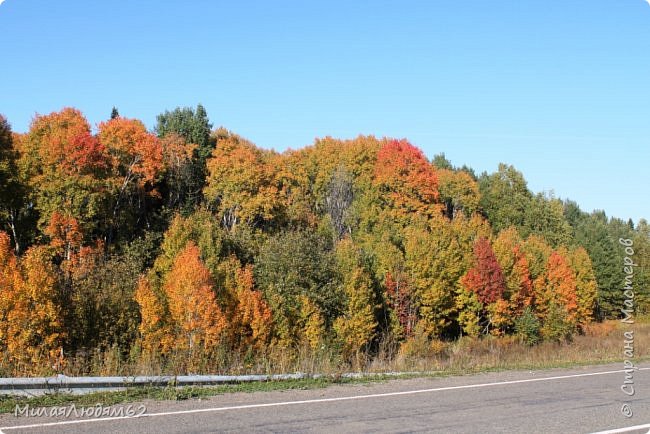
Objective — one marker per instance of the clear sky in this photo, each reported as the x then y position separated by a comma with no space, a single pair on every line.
558,88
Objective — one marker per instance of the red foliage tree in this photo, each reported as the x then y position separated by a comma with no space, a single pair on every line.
400,301
485,278
525,295
85,155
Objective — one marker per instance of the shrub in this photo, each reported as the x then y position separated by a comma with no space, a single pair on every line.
557,326
527,327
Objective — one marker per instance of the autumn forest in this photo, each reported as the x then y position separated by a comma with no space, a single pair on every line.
191,249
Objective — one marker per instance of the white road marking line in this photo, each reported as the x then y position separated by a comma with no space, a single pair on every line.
313,401
623,430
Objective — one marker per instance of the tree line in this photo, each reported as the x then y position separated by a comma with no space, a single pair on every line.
191,242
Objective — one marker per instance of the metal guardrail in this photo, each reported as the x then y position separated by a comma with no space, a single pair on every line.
37,386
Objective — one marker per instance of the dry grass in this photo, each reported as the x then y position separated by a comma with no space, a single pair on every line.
600,343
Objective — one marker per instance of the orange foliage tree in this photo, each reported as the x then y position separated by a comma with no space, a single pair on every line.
250,321
400,300
62,140
253,315
136,154
136,162
196,317
10,278
556,299
520,281
65,166
514,263
557,285
407,179
65,234
188,318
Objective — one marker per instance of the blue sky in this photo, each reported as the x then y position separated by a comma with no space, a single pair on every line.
558,88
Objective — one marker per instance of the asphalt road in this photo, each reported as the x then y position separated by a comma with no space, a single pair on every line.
581,400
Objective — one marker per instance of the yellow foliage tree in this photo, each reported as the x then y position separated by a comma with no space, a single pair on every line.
586,286
312,321
241,184
458,192
434,261
156,337
356,327
32,331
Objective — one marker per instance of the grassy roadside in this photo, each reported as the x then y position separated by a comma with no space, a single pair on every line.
8,403
600,345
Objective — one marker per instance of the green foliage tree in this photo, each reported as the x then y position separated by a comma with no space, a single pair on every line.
101,312
184,182
545,217
599,236
506,201
292,265
12,190
441,162
642,253
191,124
505,198
527,327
